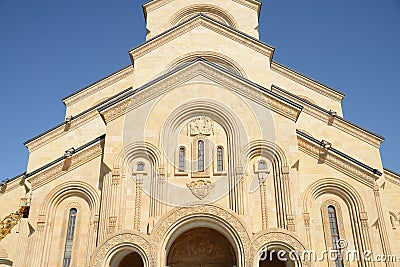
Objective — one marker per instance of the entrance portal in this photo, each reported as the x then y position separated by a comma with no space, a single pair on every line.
132,260
201,247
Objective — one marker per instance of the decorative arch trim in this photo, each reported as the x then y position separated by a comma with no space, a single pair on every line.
6,262
277,237
135,150
265,149
215,57
69,189
178,217
126,240
336,187
212,11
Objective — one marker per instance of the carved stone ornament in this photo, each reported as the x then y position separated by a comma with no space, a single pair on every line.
201,125
200,188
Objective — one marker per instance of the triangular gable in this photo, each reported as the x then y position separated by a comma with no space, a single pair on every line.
212,71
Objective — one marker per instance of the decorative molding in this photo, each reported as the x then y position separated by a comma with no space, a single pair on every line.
252,4
57,170
179,214
98,86
339,163
61,130
335,121
153,5
200,188
392,177
307,82
201,21
14,184
128,238
206,69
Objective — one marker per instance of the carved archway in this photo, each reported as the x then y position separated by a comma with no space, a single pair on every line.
201,247
183,219
114,249
277,240
5,263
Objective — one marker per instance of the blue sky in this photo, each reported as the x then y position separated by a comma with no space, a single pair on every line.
50,49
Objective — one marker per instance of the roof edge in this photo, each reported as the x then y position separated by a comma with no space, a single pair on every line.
379,138
66,99
307,81
341,154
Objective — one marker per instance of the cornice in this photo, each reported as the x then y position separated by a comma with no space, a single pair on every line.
211,71
307,82
98,86
57,169
13,183
392,176
155,4
327,117
209,23
60,130
338,160
252,4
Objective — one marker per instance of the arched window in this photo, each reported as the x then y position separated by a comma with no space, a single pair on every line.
200,158
140,167
220,159
335,235
262,165
181,159
70,237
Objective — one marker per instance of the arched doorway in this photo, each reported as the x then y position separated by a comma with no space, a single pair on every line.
271,260
275,258
201,247
132,260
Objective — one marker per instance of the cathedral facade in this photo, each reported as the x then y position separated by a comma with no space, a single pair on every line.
204,151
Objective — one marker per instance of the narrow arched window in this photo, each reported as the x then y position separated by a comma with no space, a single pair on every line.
140,167
70,237
200,163
220,159
181,159
335,235
262,165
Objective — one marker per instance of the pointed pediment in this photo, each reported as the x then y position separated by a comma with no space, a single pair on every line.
200,69
197,21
